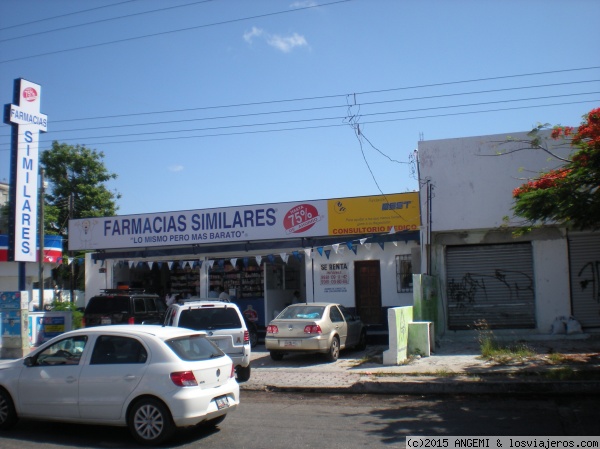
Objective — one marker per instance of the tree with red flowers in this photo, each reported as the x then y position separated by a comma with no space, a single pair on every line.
569,195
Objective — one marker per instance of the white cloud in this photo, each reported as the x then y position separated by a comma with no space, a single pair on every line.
176,168
286,44
250,35
282,43
303,4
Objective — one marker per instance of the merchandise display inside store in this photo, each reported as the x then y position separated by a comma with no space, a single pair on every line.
241,279
238,281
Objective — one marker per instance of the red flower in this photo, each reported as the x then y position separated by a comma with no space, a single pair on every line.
559,131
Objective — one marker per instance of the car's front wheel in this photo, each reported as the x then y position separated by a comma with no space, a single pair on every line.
242,373
334,350
8,415
150,421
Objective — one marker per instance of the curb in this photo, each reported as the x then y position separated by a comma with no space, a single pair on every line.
436,386
496,387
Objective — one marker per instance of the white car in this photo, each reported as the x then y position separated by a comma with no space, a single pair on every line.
149,378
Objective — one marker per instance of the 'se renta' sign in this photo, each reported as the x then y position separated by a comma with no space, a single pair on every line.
28,122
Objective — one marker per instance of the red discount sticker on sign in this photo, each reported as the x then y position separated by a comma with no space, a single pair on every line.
300,218
30,94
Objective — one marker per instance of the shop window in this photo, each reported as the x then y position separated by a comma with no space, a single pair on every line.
404,273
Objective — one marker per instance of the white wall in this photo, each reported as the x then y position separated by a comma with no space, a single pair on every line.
9,275
552,292
472,183
95,281
472,193
345,293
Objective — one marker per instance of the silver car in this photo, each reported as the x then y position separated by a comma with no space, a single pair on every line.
315,327
224,325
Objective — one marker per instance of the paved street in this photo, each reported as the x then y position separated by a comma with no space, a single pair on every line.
292,420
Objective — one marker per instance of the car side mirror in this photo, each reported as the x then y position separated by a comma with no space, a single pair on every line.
28,361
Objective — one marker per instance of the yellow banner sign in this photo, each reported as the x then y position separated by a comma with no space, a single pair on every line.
374,214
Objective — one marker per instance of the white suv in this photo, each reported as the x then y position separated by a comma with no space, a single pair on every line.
223,323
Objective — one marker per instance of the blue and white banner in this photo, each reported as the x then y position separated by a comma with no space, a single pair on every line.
232,224
334,217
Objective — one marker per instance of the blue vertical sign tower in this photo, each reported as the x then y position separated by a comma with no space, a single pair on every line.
27,122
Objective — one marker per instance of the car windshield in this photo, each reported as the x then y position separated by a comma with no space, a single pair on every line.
108,304
302,313
210,318
194,348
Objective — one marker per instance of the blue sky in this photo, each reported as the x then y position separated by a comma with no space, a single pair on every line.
201,104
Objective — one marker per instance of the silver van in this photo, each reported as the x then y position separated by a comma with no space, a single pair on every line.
223,323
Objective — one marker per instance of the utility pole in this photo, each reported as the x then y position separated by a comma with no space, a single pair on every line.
41,241
71,265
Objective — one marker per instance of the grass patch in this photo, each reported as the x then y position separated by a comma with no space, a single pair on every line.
500,352
370,357
556,358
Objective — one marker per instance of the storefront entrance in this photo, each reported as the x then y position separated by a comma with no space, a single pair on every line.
367,278
261,288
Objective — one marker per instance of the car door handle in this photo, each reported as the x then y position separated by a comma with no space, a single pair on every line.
71,379
130,377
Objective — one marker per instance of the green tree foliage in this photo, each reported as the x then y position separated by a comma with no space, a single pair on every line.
77,315
77,179
569,195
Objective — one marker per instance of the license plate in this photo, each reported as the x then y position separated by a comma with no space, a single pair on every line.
105,320
222,402
290,343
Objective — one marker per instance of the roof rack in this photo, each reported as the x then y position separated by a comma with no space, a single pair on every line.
196,299
116,291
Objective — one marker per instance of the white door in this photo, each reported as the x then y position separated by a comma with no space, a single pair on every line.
50,387
116,367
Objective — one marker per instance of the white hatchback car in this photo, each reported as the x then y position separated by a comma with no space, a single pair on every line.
149,378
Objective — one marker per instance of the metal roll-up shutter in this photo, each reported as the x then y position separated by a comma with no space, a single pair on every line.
584,262
490,282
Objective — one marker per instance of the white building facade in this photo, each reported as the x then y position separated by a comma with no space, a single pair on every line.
359,252
485,273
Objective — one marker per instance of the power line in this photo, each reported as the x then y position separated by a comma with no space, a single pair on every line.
320,108
89,144
163,33
287,122
325,97
110,19
66,15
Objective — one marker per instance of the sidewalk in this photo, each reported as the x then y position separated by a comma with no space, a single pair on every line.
565,365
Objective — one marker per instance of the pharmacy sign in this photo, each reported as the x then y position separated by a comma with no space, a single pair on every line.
27,122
